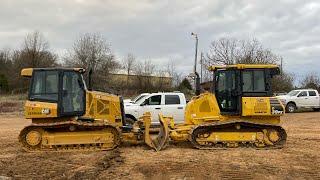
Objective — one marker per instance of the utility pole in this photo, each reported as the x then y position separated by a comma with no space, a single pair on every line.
196,75
196,52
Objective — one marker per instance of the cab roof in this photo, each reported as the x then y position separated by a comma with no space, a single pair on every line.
27,72
244,66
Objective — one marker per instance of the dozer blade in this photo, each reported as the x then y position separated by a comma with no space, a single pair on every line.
157,142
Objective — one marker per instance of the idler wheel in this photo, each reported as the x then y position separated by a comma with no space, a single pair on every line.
273,135
33,138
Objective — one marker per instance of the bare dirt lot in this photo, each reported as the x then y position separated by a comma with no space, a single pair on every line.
299,159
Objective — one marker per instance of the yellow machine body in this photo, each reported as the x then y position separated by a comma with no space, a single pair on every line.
99,106
255,123
204,108
36,109
97,126
103,106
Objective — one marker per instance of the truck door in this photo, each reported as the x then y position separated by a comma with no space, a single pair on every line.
302,99
173,106
313,99
153,105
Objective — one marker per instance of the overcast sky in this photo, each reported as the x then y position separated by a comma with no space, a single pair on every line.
160,30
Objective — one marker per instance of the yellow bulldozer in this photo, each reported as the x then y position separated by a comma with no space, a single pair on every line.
66,115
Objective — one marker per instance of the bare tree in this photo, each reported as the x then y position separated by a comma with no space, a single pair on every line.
252,52
5,69
176,76
232,51
35,54
283,82
311,80
223,51
144,70
92,52
129,63
5,61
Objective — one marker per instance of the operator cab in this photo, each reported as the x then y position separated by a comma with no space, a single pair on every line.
63,86
233,82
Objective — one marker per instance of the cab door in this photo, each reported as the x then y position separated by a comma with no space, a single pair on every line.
226,91
302,99
153,105
72,94
313,99
172,106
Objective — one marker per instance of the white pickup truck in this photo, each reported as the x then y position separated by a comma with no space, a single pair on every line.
167,103
301,98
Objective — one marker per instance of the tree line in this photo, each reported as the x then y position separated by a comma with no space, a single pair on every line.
92,51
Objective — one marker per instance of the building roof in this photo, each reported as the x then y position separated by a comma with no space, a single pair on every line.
244,66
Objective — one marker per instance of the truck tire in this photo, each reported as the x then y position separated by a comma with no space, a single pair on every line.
316,109
291,108
129,121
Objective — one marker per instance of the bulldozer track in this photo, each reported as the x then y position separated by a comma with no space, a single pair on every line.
205,129
65,127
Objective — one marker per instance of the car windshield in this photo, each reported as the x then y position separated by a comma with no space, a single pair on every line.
141,100
293,93
136,99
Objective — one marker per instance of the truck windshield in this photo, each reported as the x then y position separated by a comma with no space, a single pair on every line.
136,99
293,93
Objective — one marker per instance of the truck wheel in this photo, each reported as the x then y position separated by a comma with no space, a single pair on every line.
129,121
316,109
290,108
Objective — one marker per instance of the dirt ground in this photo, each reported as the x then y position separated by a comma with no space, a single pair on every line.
300,159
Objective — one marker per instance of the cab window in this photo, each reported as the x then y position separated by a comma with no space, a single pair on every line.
253,81
312,93
153,100
303,93
172,99
44,86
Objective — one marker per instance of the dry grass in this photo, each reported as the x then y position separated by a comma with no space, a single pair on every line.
12,103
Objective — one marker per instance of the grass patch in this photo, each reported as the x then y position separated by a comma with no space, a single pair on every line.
12,103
